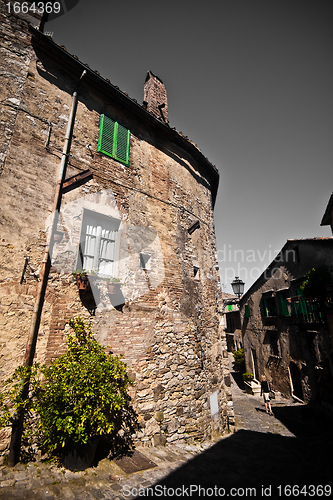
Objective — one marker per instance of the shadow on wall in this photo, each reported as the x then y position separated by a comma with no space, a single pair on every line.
121,442
238,378
256,459
89,300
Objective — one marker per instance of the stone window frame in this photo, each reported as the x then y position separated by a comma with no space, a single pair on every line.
268,305
98,255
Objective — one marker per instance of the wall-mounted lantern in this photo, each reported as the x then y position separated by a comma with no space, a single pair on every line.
238,287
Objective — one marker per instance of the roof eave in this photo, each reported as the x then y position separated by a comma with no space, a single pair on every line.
47,43
327,217
270,266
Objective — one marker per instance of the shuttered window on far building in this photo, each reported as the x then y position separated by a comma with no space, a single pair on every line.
284,310
268,307
114,139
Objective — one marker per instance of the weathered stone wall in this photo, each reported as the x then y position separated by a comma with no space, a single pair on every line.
256,332
16,54
280,345
168,329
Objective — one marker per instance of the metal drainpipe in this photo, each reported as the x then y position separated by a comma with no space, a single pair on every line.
17,425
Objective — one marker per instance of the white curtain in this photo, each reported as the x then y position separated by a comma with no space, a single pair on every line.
98,241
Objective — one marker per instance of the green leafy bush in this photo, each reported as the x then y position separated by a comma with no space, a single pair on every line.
316,282
11,400
79,395
80,273
239,360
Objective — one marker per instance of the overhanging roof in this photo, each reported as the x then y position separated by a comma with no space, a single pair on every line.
263,277
93,77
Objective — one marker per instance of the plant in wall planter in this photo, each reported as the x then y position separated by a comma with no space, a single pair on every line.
84,278
114,285
81,279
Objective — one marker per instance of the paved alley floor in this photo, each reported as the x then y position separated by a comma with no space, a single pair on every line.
262,456
250,413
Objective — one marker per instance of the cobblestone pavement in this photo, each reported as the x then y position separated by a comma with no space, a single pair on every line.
261,455
106,481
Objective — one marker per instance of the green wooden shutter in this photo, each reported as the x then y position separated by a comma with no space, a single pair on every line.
106,136
273,306
304,309
302,306
284,306
122,144
114,139
247,312
263,307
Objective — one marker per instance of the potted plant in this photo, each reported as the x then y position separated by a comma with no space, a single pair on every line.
84,278
81,279
114,285
248,376
76,399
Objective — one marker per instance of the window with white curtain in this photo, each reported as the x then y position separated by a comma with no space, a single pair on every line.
98,243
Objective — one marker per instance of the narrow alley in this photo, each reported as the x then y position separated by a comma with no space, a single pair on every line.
263,456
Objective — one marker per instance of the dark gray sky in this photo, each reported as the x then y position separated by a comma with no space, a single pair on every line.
250,82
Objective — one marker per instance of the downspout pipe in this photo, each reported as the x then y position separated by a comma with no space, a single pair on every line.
17,425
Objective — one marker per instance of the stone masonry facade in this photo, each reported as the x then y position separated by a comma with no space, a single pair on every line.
160,205
284,335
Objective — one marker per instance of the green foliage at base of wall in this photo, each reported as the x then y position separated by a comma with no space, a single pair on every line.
239,360
78,396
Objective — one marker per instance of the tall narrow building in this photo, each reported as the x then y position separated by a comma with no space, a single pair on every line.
136,209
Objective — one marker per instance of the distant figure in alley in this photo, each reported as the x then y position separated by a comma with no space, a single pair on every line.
265,390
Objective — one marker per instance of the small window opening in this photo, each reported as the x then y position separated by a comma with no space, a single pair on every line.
144,258
274,344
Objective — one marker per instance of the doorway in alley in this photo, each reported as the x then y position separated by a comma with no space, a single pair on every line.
296,383
254,364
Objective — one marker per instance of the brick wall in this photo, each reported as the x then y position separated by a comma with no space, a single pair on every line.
168,329
155,97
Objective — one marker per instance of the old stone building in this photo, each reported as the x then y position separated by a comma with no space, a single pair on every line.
137,205
286,337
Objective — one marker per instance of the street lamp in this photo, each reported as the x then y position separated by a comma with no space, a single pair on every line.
238,287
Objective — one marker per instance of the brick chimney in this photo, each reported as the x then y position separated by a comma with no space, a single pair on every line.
155,97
